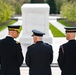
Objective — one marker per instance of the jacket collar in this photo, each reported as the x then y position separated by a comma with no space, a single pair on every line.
9,37
71,40
39,42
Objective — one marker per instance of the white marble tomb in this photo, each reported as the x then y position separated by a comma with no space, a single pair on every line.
35,16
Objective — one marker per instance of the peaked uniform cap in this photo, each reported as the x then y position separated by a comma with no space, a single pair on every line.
70,29
15,28
37,33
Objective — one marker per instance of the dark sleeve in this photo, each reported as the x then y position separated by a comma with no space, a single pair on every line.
20,57
0,51
51,52
51,55
28,58
61,58
0,59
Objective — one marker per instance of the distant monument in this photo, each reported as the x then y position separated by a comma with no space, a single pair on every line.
35,16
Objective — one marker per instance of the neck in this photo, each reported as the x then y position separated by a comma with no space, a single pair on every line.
10,36
72,39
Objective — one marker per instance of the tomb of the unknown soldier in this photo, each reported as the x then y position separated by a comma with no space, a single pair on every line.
35,16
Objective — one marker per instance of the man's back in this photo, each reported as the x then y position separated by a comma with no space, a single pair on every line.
39,57
11,56
67,61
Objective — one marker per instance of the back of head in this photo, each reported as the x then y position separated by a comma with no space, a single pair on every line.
70,33
37,35
14,31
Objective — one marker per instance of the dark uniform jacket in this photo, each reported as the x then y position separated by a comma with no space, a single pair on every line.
0,56
0,63
39,56
67,58
11,56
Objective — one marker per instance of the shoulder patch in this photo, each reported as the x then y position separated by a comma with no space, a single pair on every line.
17,42
62,48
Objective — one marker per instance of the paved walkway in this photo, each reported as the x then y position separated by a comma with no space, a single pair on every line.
55,71
56,42
58,25
53,20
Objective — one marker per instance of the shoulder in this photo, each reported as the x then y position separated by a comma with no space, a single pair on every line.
2,40
48,45
17,43
31,46
63,45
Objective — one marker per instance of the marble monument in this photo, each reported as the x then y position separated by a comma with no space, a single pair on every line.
35,16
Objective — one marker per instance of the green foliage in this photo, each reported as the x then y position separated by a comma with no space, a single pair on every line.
64,23
68,10
16,5
52,5
59,3
55,31
5,12
2,27
17,8
37,1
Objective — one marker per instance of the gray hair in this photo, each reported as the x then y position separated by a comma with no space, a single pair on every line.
39,38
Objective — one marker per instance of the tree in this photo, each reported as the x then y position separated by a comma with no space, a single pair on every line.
52,5
16,5
17,8
59,3
68,10
27,1
37,1
5,11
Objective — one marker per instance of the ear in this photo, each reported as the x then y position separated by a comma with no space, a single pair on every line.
68,35
35,38
13,32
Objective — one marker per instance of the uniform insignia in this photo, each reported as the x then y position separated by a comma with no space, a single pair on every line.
17,42
62,49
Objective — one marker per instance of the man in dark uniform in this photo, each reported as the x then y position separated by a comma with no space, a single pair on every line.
67,53
0,63
39,56
11,53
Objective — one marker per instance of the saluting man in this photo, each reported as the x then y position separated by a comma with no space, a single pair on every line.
67,53
11,53
39,55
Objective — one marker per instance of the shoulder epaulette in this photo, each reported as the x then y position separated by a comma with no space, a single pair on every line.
17,42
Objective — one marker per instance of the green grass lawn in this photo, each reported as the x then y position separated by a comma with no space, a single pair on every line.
55,31
64,23
2,27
